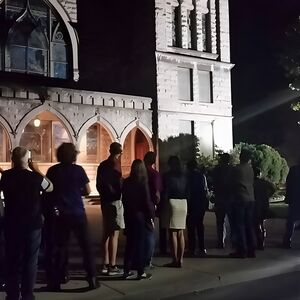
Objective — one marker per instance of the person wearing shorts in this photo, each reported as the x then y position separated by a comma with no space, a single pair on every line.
109,180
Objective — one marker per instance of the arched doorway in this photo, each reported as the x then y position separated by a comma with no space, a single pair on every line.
135,147
94,145
42,135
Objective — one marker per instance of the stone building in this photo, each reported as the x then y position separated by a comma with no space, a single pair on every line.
193,71
189,82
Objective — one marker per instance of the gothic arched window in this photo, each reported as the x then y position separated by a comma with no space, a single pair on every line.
37,42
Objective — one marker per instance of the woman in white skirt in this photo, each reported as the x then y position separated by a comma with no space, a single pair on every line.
175,209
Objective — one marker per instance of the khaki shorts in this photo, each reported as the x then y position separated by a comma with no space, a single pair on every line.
113,215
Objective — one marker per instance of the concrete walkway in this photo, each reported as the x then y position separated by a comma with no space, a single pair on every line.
197,274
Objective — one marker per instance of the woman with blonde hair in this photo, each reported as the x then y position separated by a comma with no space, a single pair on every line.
139,217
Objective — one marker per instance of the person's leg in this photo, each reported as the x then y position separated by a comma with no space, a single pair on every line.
191,231
200,233
163,244
13,263
290,226
81,232
249,229
61,249
181,246
149,246
173,244
113,247
232,224
30,264
221,229
239,216
140,244
129,249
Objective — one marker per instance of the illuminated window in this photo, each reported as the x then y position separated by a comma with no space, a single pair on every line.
186,127
37,42
94,146
185,84
204,82
4,146
44,137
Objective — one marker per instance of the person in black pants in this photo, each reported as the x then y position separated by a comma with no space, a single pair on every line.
139,217
242,183
197,203
22,223
155,188
70,183
222,201
263,190
292,198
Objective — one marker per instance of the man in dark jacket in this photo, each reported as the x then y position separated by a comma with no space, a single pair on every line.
221,188
197,203
292,197
243,206
109,179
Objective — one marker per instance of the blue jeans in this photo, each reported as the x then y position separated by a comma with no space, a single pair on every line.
134,256
149,246
21,252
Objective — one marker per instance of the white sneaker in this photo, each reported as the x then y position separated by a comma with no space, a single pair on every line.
104,270
113,271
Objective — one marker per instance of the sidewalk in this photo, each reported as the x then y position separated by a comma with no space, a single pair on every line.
197,274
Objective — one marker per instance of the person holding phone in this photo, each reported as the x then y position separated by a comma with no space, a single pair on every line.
22,186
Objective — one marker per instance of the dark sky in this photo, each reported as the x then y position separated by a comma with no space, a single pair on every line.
257,35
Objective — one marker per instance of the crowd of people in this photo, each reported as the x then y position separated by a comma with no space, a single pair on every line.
43,210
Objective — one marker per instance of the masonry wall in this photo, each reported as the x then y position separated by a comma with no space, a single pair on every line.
211,122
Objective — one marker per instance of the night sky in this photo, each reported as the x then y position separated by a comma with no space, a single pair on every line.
257,35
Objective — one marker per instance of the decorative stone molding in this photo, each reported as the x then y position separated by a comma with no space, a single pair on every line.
62,95
67,19
203,6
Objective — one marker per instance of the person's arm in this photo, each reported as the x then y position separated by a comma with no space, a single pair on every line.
86,190
46,184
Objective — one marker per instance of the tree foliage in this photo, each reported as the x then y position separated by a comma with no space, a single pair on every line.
273,167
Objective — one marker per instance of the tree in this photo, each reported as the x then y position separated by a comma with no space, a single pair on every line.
273,167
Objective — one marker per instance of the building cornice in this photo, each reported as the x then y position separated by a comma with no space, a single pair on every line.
180,58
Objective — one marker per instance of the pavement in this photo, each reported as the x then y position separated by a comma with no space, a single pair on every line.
197,275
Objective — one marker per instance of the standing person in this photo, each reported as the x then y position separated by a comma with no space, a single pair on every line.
292,197
174,216
197,204
155,187
22,223
70,184
109,180
263,190
221,175
139,218
243,206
